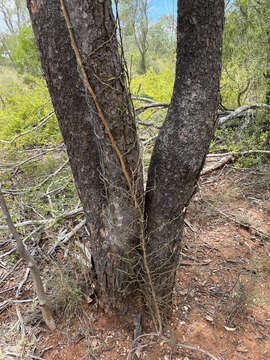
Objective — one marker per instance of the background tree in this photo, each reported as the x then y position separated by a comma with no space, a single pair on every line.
100,135
24,52
162,39
13,15
246,51
135,24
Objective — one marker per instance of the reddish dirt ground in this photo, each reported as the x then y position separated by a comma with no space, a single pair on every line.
221,301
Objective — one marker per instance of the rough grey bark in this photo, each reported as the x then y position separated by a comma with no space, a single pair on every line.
179,152
184,138
103,190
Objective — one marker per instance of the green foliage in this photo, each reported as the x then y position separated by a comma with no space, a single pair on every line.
162,39
249,134
25,53
266,266
23,107
246,51
157,85
13,257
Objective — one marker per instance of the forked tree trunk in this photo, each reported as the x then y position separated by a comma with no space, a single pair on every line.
180,150
184,138
102,187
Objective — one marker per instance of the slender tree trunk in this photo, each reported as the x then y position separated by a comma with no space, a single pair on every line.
184,138
3,41
142,63
109,207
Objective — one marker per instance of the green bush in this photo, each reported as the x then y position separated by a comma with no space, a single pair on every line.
23,107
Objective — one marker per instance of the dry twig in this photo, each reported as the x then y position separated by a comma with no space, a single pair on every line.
43,121
46,311
238,222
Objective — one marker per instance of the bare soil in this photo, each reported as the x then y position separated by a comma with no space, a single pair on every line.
221,299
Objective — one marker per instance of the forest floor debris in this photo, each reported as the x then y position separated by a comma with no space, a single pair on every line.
221,296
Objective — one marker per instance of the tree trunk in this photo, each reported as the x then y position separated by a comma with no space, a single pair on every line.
184,138
142,63
116,227
111,216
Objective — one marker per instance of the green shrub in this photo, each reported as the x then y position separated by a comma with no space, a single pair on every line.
23,108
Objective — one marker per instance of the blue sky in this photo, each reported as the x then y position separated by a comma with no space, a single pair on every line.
157,9
160,7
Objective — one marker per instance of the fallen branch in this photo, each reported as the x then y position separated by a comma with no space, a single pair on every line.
240,110
185,346
150,106
149,140
34,157
141,98
238,222
43,121
46,221
64,239
166,340
145,123
46,311
51,175
11,271
217,165
22,282
20,321
26,223
240,153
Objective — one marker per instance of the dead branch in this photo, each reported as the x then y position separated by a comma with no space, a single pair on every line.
259,232
181,345
64,239
186,346
36,187
25,223
11,271
239,153
22,282
7,290
240,110
31,158
149,140
46,311
140,98
145,123
46,221
42,122
151,105
217,165
86,253
51,175
21,321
